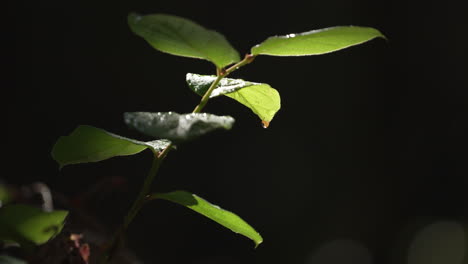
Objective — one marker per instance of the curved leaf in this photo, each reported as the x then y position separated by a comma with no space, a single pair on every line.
263,100
213,212
90,144
180,36
177,127
25,224
316,42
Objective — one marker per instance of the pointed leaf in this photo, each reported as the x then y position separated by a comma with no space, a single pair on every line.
316,42
213,212
25,224
90,144
263,100
176,127
180,36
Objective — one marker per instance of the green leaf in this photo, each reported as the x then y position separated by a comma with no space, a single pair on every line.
213,212
316,42
26,224
263,100
180,36
5,195
176,127
90,144
4,259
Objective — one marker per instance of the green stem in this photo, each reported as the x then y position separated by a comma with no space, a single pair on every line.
137,204
146,187
221,73
247,59
159,157
206,96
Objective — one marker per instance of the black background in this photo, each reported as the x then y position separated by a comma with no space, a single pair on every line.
369,144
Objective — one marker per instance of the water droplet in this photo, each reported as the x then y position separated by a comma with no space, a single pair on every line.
265,124
291,35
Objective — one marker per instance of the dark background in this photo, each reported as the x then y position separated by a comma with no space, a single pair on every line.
368,148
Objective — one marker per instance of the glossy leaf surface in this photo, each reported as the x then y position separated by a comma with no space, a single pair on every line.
263,100
316,42
213,212
176,127
90,144
25,224
180,36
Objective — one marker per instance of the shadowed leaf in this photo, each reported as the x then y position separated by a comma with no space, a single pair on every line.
180,36
26,224
90,144
4,259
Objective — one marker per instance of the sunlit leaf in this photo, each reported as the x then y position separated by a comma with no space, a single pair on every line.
26,224
176,127
316,42
180,36
213,212
90,144
263,100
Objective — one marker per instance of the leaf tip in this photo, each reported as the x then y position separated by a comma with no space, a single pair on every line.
265,124
61,164
132,16
258,242
54,154
383,36
132,19
378,34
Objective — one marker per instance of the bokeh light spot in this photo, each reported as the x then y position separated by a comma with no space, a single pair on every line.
341,252
438,243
